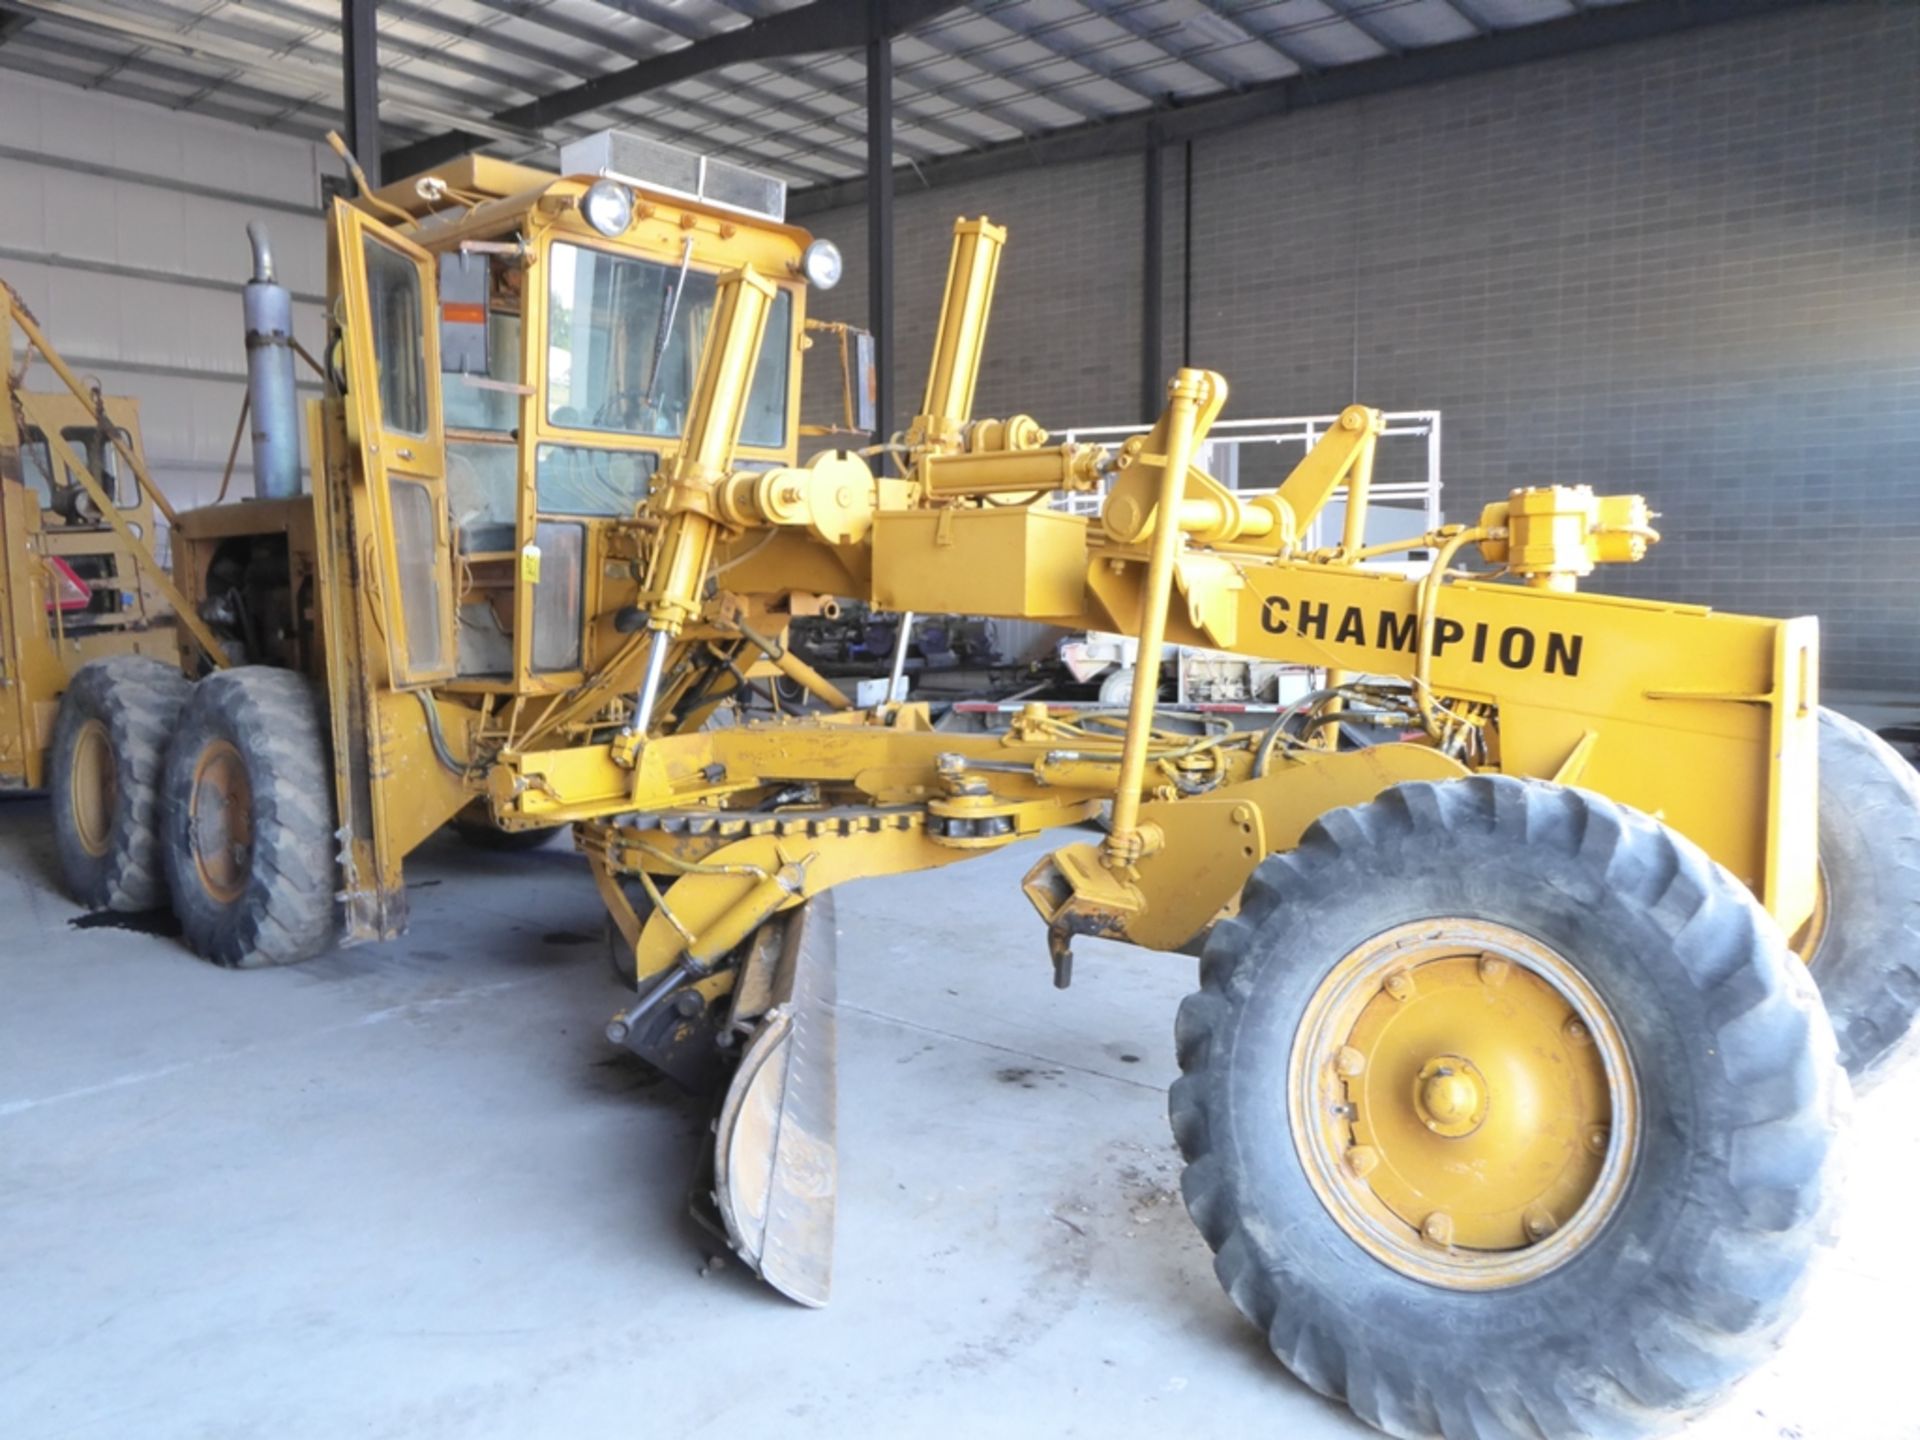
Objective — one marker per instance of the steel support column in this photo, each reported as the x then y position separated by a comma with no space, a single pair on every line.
360,58
1153,282
880,213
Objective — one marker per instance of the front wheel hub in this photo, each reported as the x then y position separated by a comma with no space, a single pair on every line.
1464,1103
1450,1096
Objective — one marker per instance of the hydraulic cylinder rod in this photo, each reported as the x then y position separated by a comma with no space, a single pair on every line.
897,672
971,271
1353,538
1189,389
678,568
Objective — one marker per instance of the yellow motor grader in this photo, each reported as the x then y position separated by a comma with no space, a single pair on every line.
1508,1099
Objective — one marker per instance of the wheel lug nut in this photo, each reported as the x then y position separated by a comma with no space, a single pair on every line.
1361,1160
1399,985
1439,1228
1349,1062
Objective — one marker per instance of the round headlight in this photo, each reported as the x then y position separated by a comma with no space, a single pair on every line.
608,207
822,264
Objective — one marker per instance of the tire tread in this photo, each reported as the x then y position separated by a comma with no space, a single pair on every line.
1766,1029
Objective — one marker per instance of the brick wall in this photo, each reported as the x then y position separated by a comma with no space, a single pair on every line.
1689,267
1064,344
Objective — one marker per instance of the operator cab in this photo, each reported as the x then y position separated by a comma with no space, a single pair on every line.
98,585
571,313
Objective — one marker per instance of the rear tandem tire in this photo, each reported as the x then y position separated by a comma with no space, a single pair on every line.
1687,1272
103,777
248,835
1864,949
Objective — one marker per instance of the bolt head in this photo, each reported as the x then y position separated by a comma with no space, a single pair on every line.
1399,985
1349,1062
1438,1228
1576,1031
1361,1160
1540,1223
1494,970
1597,1139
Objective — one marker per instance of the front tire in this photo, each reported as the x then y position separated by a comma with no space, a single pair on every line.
1863,944
248,838
103,774
1583,977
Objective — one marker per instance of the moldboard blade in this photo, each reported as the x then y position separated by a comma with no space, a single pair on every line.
776,1166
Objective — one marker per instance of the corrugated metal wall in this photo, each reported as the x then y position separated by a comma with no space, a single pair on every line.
123,227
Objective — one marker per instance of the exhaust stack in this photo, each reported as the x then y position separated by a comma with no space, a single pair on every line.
276,414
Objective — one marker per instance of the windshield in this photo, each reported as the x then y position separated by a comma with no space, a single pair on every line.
608,317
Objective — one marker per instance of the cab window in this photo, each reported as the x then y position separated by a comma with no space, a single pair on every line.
90,443
577,480
393,288
36,466
622,347
483,407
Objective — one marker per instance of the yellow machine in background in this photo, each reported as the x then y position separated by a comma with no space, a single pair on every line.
1507,1102
80,587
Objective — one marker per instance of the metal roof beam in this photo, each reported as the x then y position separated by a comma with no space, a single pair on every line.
48,36
962,99
1084,57
795,69
977,60
54,65
1356,16
1124,134
1468,11
1236,17
1121,13
821,25
478,36
248,58
481,36
771,128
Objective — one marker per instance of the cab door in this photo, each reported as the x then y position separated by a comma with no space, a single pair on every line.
391,370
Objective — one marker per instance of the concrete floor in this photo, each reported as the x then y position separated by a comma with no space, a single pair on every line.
408,1191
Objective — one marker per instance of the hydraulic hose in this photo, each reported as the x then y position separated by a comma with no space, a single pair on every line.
1433,718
